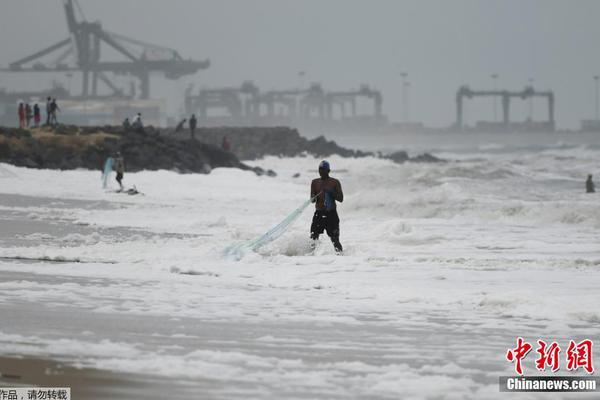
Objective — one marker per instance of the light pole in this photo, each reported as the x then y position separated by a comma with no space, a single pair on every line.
530,80
596,77
494,79
404,97
407,106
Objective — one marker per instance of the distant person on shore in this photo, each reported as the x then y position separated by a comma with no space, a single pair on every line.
137,123
325,191
589,185
54,108
226,144
120,168
126,124
180,125
193,124
21,112
28,114
48,102
37,117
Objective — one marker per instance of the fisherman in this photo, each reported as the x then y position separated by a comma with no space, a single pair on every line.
126,124
36,115
21,112
325,191
589,185
193,123
48,102
54,108
120,168
179,126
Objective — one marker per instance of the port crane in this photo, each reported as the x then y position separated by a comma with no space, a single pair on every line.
86,39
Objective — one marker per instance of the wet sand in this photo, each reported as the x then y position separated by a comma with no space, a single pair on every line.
87,383
54,222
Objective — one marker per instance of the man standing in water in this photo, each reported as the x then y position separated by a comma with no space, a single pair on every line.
589,185
325,191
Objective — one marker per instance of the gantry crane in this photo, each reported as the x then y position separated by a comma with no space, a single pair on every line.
238,101
528,92
85,42
343,98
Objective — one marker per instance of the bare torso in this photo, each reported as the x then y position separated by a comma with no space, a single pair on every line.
320,185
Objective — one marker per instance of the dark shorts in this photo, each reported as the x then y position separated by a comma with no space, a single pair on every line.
325,221
119,177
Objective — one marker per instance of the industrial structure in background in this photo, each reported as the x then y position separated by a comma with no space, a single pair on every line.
84,44
311,108
112,90
506,125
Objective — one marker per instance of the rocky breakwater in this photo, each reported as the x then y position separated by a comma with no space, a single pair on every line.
251,143
71,147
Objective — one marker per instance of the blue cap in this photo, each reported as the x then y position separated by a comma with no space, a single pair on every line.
325,165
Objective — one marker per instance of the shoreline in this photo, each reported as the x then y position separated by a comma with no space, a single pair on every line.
86,383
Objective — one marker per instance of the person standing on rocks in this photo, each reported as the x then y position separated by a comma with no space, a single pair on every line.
226,145
28,114
126,124
193,124
137,122
36,115
325,191
21,112
54,108
48,112
120,168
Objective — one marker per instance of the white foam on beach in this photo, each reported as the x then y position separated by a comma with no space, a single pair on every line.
509,240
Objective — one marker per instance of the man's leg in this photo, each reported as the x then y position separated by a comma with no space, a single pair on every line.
333,230
316,228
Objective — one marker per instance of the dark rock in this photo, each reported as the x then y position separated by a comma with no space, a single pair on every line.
402,157
26,162
426,158
398,157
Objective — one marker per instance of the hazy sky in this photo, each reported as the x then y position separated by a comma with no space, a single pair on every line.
343,43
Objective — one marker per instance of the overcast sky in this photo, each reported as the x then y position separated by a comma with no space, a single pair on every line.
343,43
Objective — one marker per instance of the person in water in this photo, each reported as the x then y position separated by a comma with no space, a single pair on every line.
325,191
120,168
589,185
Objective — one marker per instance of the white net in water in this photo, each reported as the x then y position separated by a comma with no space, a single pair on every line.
108,167
237,251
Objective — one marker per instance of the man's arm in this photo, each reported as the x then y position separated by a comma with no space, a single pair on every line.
339,194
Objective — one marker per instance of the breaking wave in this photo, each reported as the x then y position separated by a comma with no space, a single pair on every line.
542,188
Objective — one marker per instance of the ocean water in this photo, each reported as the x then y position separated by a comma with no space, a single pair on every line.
445,265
